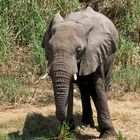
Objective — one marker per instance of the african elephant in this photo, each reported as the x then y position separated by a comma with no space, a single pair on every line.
81,48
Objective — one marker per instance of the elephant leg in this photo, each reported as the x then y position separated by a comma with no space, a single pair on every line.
100,100
108,74
87,114
108,78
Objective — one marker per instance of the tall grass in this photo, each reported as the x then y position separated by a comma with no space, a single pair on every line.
127,66
12,90
126,16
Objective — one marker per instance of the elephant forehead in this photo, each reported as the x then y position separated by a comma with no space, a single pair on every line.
69,28
62,40
62,37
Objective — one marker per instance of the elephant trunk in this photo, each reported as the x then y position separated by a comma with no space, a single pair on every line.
63,91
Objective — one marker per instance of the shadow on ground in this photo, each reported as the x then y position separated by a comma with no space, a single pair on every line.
39,127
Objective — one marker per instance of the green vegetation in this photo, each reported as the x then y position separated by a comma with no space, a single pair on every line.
64,132
121,136
127,66
12,90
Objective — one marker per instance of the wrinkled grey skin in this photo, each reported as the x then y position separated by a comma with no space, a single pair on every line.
83,43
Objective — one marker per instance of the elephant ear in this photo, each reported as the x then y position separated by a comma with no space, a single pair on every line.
100,46
48,34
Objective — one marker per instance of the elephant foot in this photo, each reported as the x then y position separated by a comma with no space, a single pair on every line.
88,122
108,133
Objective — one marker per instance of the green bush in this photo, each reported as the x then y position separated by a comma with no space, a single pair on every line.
12,90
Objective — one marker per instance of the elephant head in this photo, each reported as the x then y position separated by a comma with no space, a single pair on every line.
77,44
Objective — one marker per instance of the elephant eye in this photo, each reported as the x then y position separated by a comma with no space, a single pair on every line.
79,49
78,53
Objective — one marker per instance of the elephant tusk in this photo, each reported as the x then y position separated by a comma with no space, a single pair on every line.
43,77
75,76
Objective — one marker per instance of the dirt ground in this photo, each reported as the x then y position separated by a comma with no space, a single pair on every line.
125,113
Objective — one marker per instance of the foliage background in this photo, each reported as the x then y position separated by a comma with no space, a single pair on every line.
22,61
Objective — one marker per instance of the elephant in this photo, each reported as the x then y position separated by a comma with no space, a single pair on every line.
80,48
